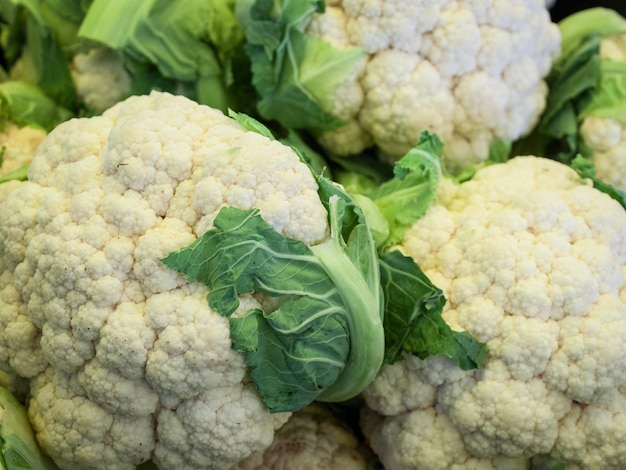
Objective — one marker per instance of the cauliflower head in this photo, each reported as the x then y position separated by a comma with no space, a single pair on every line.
99,78
532,261
127,361
472,72
605,136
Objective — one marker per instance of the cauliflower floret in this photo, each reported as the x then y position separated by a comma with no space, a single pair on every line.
126,359
607,139
602,443
18,144
80,432
100,78
312,438
531,259
469,71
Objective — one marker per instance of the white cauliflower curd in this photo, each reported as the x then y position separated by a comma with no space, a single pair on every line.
532,261
313,438
472,72
127,361
100,78
17,145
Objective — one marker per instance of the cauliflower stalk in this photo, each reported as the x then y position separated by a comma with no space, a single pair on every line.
531,259
362,73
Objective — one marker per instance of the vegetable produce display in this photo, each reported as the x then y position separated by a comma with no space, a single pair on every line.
342,234
153,364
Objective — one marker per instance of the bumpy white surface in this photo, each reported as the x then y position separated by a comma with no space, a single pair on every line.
127,360
313,438
19,145
532,261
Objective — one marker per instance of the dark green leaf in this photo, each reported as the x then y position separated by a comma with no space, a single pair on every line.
325,340
296,351
413,321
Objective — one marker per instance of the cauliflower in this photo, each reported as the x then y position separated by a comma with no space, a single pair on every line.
313,438
584,115
18,145
606,136
532,261
99,78
471,72
126,360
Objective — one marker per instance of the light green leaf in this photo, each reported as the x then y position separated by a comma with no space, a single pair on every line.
322,67
251,124
609,99
172,36
591,21
18,448
377,222
19,174
27,105
407,196
294,73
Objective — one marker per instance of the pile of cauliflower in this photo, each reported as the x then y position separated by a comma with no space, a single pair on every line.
121,361
127,362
